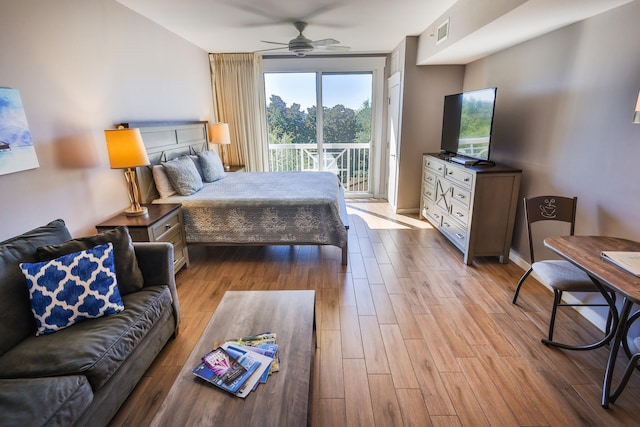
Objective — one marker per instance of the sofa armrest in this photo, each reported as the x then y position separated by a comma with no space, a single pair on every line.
155,259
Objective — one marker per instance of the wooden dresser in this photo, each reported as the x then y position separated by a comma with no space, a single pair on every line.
473,206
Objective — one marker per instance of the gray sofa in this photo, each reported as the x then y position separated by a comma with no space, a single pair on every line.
81,375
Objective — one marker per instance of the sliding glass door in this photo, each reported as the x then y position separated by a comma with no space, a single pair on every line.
322,120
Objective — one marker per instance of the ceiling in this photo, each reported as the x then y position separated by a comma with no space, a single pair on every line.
366,26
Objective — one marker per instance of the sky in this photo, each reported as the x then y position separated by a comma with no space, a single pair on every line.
350,90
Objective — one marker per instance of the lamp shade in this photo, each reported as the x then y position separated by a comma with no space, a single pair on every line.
126,149
636,114
219,133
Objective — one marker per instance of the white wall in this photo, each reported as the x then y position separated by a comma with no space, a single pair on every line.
81,67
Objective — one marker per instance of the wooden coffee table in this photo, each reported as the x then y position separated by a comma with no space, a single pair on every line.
284,399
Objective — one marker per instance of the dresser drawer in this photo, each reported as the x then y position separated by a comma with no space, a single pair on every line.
460,212
457,234
161,230
460,176
461,196
429,178
434,165
433,214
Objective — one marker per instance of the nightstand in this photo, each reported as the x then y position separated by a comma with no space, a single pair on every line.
163,223
235,168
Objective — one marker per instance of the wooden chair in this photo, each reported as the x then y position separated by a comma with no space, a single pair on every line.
559,275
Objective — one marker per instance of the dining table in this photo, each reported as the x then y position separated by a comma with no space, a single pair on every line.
585,252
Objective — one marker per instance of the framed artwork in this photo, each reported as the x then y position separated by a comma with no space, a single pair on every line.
16,146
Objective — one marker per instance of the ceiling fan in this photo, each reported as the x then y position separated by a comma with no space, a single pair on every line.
302,45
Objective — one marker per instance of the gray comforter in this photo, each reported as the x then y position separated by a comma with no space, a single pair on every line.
265,208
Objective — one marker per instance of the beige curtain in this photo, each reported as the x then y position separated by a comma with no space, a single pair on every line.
238,94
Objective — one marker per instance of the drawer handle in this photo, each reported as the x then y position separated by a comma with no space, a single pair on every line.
446,224
459,214
466,180
459,236
428,193
167,226
429,179
460,196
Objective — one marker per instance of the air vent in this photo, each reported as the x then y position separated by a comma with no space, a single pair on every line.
442,32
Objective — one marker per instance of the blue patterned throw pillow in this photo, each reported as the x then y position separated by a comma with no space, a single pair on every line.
80,285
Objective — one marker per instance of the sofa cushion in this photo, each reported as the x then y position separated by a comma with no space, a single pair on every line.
77,286
95,348
16,319
56,401
127,271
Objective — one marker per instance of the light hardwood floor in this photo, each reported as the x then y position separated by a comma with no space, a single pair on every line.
407,334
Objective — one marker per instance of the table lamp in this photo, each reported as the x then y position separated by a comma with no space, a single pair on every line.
219,134
636,114
127,151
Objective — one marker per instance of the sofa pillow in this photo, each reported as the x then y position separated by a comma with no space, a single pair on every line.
128,272
16,319
183,175
212,168
163,185
77,286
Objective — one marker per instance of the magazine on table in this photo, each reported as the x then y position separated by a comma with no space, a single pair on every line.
630,261
217,375
260,375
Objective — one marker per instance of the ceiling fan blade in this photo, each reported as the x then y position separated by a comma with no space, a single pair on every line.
324,42
265,41
273,48
334,48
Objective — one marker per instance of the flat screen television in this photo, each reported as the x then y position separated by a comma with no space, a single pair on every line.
467,123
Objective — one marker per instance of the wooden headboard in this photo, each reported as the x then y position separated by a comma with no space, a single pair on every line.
165,141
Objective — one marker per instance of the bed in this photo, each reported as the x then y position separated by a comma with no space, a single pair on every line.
247,208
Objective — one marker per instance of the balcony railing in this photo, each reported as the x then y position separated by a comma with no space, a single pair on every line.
349,161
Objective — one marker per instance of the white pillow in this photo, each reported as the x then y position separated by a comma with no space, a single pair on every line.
163,185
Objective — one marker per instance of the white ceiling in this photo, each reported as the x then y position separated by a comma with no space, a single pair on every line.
366,26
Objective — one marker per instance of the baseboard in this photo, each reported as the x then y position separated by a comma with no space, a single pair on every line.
407,211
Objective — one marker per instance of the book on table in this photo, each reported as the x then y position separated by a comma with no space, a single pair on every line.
628,260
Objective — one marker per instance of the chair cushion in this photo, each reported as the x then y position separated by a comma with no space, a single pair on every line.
563,276
128,272
95,348
58,401
77,286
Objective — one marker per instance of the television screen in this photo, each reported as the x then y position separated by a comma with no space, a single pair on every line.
467,123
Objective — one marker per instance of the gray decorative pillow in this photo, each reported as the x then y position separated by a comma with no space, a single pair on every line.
194,158
128,272
212,169
183,175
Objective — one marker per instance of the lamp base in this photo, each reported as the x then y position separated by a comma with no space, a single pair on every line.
136,212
